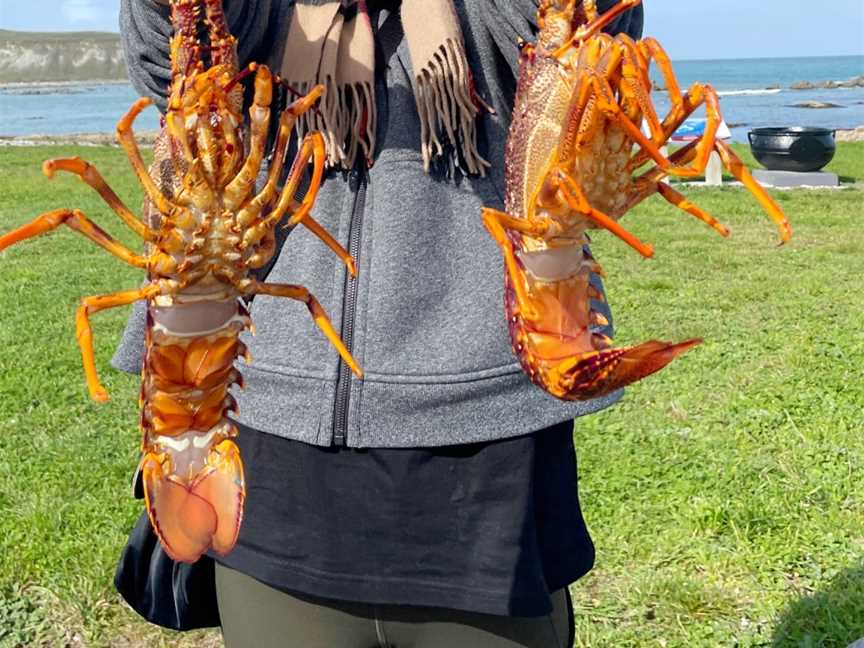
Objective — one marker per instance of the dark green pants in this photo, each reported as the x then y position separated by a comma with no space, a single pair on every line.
257,616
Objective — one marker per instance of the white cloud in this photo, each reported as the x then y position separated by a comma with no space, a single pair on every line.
82,12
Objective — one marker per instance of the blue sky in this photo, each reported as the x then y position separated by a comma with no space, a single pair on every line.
689,29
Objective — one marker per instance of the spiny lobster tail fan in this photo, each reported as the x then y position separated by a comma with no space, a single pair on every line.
224,489
601,372
184,522
191,519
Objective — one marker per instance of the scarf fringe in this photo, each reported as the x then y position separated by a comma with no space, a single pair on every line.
337,49
346,118
357,121
448,109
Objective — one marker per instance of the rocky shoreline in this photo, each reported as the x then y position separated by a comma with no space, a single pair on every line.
145,138
55,87
853,135
854,82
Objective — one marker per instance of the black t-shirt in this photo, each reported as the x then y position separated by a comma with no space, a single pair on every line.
488,527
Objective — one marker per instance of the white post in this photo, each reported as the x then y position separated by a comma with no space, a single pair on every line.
714,170
664,151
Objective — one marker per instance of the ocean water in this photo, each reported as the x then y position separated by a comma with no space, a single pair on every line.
61,109
754,92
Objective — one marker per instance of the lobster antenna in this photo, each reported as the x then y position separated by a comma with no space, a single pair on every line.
295,92
239,77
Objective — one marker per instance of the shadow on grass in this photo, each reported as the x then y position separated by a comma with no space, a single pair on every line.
833,618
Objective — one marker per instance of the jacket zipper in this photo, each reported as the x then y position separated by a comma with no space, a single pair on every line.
349,314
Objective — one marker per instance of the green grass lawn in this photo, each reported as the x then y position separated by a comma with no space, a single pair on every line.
724,494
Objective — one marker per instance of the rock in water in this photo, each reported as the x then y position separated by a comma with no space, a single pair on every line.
814,104
802,85
854,82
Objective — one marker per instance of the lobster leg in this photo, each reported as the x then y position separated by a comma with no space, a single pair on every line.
679,112
76,220
174,123
648,187
496,222
577,200
318,314
697,95
88,174
311,149
635,84
127,140
611,108
736,168
681,156
706,142
259,116
84,333
681,202
324,236
527,226
654,51
254,207
264,251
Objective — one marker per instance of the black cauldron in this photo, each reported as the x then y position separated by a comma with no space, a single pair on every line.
793,149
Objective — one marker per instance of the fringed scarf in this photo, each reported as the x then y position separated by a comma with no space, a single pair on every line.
331,42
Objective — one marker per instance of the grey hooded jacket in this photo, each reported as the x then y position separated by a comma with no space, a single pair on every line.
425,316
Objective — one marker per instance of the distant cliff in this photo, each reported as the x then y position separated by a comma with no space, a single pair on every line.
66,56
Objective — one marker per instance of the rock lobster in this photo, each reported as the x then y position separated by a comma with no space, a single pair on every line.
206,232
574,148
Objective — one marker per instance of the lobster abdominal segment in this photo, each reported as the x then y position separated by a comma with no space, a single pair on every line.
193,476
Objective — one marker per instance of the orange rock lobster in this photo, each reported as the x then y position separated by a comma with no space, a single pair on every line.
581,98
207,232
